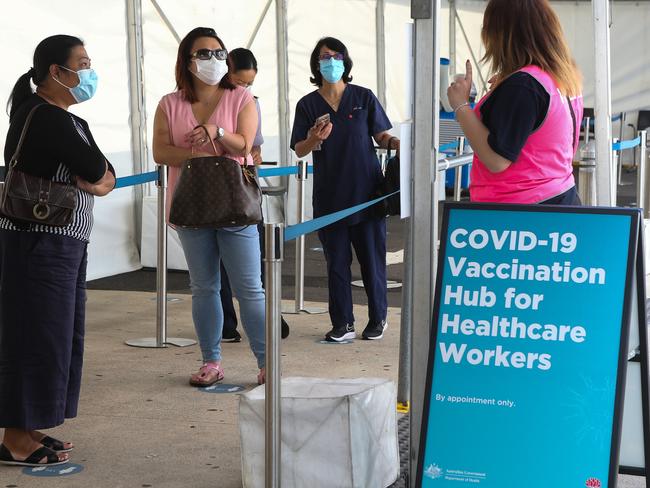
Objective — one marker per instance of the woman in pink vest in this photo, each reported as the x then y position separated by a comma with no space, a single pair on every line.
524,131
207,96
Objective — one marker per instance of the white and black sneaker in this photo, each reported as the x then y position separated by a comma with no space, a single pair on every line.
375,331
341,333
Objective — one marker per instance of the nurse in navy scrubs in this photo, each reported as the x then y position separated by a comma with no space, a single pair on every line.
346,172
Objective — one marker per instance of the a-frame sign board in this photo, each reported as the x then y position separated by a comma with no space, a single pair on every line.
529,347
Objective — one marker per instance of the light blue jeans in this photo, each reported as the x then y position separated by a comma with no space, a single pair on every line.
239,248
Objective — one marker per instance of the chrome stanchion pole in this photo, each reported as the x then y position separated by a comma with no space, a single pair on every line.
643,199
618,162
406,326
300,241
161,339
274,240
458,188
299,287
161,266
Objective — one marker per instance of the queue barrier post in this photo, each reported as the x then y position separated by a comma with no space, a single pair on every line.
458,187
274,242
161,340
643,199
299,287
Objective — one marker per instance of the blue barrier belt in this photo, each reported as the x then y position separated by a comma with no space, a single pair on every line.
282,171
136,179
620,146
450,146
297,230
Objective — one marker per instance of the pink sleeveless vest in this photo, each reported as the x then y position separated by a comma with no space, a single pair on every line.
181,120
544,166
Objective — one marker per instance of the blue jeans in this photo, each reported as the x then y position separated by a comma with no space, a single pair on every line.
239,248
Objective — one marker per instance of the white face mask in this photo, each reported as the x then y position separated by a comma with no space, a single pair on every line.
210,71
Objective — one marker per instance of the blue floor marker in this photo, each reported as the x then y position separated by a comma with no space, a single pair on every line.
52,471
222,388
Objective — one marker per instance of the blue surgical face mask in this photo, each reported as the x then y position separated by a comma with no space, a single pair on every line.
87,84
332,69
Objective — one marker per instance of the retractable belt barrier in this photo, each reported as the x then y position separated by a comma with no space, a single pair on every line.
622,145
291,232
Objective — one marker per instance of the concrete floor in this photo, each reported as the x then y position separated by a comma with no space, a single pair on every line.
141,425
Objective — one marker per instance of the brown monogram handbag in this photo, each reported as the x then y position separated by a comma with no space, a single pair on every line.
29,198
214,192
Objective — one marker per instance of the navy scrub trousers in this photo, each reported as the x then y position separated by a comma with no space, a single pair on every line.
42,312
346,173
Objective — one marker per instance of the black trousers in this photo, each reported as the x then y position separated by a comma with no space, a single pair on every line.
42,312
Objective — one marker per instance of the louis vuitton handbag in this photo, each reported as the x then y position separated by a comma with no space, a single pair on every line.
32,199
214,192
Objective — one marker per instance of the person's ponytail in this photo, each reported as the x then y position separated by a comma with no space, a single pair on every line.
51,50
21,92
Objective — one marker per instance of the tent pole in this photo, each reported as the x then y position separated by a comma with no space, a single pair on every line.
452,37
605,181
259,24
138,116
282,42
166,20
380,45
424,204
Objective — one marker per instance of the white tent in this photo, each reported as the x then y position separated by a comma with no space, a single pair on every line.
108,27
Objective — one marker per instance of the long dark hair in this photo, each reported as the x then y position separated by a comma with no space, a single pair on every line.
528,32
51,50
242,59
184,78
335,45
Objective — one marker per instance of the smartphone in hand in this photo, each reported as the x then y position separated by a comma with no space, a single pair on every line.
320,121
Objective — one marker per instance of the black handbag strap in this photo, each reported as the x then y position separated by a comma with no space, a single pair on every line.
388,147
573,118
28,120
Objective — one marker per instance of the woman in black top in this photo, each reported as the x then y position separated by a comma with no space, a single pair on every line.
43,268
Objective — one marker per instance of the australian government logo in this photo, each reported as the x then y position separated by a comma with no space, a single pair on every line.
434,472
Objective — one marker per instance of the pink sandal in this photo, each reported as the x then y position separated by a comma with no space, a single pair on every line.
261,376
208,374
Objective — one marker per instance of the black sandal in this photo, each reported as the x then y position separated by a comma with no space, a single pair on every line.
55,444
33,459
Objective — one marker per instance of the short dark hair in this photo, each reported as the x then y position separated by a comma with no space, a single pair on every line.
184,78
335,45
51,50
242,59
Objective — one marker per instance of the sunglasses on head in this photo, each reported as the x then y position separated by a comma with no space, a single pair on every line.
205,54
326,56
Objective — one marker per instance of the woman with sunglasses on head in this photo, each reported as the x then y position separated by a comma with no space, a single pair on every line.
207,105
338,122
524,132
42,266
243,70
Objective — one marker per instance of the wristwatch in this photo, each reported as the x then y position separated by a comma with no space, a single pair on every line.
220,133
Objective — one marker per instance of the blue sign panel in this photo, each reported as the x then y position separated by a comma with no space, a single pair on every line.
528,347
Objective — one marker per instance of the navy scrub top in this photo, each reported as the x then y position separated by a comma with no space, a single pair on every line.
346,169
